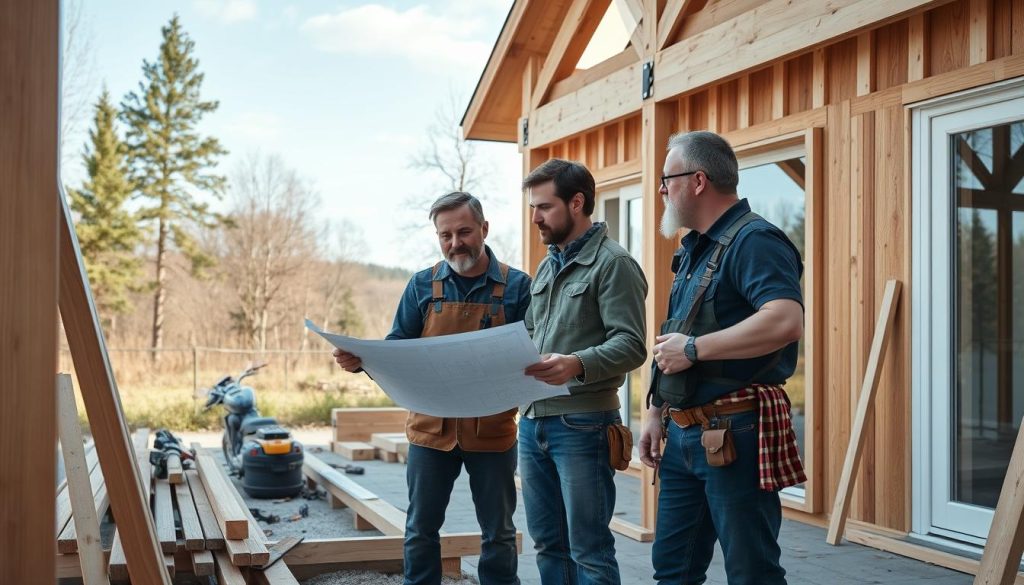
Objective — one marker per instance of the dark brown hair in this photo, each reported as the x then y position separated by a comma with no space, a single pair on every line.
570,178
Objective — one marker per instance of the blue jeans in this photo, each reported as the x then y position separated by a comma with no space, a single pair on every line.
569,493
431,474
700,504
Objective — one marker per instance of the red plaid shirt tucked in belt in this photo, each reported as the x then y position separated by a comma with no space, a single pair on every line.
778,458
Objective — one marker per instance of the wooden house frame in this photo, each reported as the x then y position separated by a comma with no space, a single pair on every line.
838,82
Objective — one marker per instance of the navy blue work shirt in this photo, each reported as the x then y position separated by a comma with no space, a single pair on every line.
760,265
412,309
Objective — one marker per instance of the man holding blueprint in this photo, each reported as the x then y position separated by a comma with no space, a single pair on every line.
469,291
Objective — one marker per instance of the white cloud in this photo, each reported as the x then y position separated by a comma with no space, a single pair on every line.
257,128
416,34
227,11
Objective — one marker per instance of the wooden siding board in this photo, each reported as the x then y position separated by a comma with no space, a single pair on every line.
891,58
842,70
948,42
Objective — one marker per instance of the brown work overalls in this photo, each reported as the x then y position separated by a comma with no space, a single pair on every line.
488,433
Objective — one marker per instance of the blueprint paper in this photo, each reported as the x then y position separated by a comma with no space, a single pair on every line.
461,375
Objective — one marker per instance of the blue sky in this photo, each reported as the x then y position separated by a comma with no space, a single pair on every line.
344,91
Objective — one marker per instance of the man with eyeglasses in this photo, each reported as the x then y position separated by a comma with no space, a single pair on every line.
735,316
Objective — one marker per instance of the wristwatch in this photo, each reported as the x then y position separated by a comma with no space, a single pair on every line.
690,349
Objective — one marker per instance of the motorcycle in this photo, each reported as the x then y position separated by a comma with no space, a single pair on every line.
256,448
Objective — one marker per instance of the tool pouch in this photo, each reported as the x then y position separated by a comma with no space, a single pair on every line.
620,446
718,445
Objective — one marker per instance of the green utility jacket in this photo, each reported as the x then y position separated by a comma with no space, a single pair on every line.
593,308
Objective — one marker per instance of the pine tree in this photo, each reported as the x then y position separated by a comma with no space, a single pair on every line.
170,160
107,230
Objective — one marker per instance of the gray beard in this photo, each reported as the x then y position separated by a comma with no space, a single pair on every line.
463,264
671,222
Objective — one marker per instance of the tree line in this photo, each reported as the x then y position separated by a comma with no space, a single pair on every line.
154,237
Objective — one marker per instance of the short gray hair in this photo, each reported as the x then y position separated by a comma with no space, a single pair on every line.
455,200
708,152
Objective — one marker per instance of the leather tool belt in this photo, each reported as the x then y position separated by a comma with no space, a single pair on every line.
700,415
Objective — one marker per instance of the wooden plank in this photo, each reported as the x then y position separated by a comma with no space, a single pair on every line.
64,496
256,543
82,505
191,527
357,424
883,329
771,31
213,537
659,122
926,554
103,407
780,96
29,88
378,548
605,100
1000,560
574,33
862,288
471,123
117,566
865,63
67,542
819,89
980,32
382,515
672,19
917,53
967,78
169,564
163,507
202,563
814,287
174,470
892,245
631,530
353,450
227,573
230,516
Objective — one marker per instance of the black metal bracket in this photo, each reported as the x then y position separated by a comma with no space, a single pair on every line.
526,131
648,81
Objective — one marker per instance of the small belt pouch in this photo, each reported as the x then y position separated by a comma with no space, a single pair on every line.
620,446
718,445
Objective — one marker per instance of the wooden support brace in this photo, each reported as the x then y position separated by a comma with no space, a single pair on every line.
883,330
230,516
83,506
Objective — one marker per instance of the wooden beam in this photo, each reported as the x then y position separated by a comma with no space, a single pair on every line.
1005,543
795,170
364,503
773,30
917,47
64,496
814,273
87,525
502,48
605,100
227,573
575,33
883,329
163,507
658,123
819,85
780,95
865,63
744,102
191,527
103,406
980,36
29,88
631,530
672,19
378,548
67,542
230,517
961,79
212,535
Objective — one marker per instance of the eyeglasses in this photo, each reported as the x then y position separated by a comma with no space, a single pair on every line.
665,178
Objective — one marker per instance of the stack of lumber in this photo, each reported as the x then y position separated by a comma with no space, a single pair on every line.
391,447
355,428
202,524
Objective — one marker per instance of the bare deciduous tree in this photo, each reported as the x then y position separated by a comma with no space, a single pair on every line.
77,79
273,240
